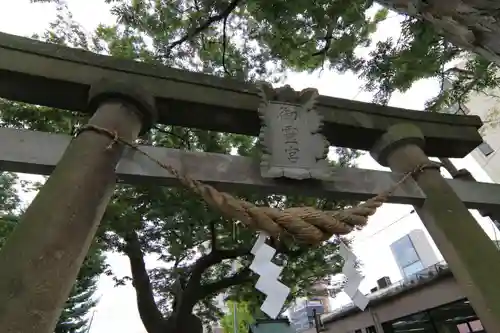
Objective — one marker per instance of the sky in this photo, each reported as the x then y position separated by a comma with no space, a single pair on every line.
117,311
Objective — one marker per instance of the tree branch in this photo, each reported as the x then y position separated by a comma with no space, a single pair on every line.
193,291
328,42
213,236
148,310
202,264
224,45
185,140
240,277
457,70
212,19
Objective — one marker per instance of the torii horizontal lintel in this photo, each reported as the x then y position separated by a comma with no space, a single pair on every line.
56,76
39,152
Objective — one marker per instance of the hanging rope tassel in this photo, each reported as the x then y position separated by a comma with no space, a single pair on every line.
306,225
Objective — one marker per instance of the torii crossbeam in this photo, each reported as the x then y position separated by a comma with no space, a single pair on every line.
60,77
46,250
40,152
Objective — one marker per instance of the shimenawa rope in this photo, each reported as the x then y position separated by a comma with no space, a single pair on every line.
305,224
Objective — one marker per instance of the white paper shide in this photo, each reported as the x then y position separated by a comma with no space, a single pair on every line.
269,272
354,278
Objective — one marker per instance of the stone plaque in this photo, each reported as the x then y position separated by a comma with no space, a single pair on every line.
293,146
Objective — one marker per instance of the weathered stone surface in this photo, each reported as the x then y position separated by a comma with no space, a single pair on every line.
56,76
47,248
293,146
39,152
452,227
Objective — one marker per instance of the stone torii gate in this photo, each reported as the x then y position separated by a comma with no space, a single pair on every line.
41,259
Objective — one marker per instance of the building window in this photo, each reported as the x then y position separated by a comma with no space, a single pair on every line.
357,331
463,328
486,149
419,322
471,327
412,269
476,326
406,256
455,317
371,329
404,251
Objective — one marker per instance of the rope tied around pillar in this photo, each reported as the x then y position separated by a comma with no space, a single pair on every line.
306,225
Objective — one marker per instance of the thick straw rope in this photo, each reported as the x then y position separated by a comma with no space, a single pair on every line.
305,224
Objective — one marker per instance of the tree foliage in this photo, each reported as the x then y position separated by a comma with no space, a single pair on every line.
193,245
246,40
77,312
332,35
241,38
243,318
9,204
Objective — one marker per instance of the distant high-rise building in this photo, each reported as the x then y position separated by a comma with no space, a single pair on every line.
321,295
301,315
413,253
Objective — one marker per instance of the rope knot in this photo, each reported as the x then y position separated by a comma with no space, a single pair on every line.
304,224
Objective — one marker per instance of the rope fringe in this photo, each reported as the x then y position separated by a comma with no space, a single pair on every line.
306,225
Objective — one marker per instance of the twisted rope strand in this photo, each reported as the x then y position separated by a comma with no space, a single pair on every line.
305,224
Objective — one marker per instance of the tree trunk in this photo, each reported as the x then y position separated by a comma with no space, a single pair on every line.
154,322
187,323
473,25
151,316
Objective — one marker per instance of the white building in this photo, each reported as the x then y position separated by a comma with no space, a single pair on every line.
486,105
413,253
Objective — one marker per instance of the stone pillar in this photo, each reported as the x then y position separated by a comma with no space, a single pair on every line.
376,321
471,255
41,259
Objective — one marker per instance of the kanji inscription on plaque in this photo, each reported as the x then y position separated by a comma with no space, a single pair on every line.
293,146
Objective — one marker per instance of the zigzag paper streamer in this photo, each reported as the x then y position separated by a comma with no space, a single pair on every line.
269,272
353,277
